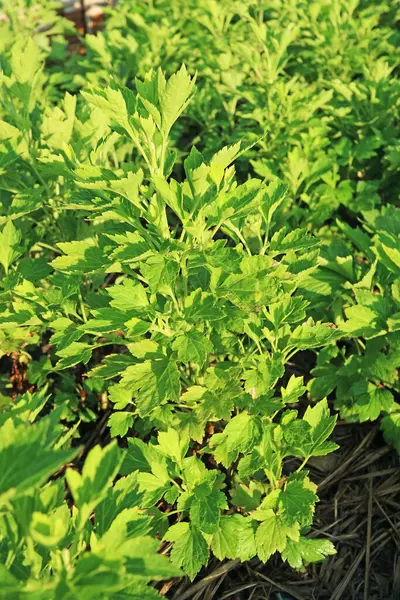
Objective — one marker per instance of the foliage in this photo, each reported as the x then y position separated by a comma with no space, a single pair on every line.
176,243
45,536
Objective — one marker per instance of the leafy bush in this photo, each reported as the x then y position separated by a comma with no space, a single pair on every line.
200,260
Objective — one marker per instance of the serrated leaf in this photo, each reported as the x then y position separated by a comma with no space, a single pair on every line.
313,336
322,424
205,511
173,444
160,272
308,437
304,551
202,307
272,535
153,382
90,487
190,550
297,500
120,423
175,97
294,389
298,239
240,434
192,346
390,426
260,379
77,352
234,538
10,238
131,295
19,473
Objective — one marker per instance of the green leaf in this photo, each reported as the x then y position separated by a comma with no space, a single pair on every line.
205,510
128,523
10,239
322,424
287,310
304,551
313,336
120,423
298,499
113,365
298,239
77,352
200,306
131,295
160,272
247,497
234,538
190,549
90,487
173,444
124,494
26,60
80,257
369,400
224,157
240,434
175,97
363,321
390,426
272,535
245,290
153,382
9,585
263,377
112,102
19,473
139,456
49,530
192,346
308,437
8,131
155,485
293,390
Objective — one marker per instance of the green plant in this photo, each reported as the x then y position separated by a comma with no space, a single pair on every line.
208,314
57,546
209,263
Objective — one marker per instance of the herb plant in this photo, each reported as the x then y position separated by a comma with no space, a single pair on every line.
200,266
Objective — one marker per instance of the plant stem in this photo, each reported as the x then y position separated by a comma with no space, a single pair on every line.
303,464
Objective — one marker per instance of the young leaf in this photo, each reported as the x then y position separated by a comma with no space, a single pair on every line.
297,500
241,433
234,538
10,239
272,535
192,346
390,426
190,550
153,382
120,423
90,487
302,552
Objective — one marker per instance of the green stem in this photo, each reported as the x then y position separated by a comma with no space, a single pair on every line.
266,238
82,305
241,238
162,158
303,464
39,177
176,485
52,248
175,301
